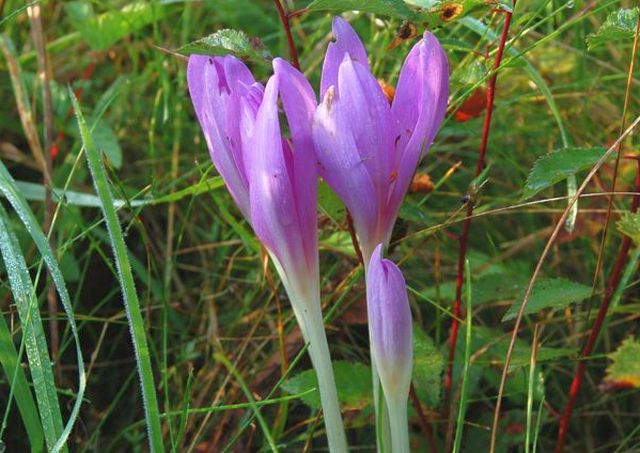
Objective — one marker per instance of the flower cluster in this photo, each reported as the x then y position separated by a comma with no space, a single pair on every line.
364,146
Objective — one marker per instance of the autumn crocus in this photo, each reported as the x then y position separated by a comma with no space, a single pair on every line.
368,148
273,181
391,341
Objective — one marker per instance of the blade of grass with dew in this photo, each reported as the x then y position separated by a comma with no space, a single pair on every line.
130,296
530,389
10,190
256,410
9,359
467,365
33,334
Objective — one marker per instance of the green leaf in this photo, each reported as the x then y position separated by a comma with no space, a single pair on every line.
624,369
104,30
228,41
620,25
127,284
107,142
428,364
330,203
20,388
559,165
629,225
391,8
353,381
35,340
9,189
550,293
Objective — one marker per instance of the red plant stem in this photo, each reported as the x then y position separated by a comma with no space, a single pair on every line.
614,280
464,238
287,29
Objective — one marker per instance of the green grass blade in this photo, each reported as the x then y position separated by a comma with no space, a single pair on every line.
467,362
12,193
130,296
33,333
19,388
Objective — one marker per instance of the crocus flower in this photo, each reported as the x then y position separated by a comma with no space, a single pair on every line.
391,341
368,149
274,182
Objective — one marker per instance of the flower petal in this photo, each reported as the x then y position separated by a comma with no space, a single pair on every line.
364,109
215,86
342,167
273,207
389,323
418,108
347,42
299,103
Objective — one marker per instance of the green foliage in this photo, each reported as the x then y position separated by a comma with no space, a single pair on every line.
619,26
550,293
624,369
127,284
629,224
428,365
103,30
353,381
224,42
559,165
107,142
392,8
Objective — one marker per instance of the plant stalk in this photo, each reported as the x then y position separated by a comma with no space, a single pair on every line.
309,316
397,409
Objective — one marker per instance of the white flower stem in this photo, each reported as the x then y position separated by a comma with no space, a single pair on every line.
311,323
397,406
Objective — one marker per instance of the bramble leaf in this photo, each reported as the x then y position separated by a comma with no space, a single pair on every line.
353,381
550,293
228,41
620,25
558,165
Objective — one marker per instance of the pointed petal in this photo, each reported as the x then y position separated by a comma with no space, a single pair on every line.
299,103
418,108
364,109
213,85
389,323
273,207
347,43
342,167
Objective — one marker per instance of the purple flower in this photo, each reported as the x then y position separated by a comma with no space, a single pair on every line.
390,332
368,150
274,183
271,179
390,324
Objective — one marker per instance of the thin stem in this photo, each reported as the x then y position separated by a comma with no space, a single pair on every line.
309,318
399,424
287,29
464,238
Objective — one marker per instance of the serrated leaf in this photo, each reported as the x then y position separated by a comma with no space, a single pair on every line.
550,293
558,165
107,142
629,225
624,369
353,381
391,8
619,25
104,30
228,41
428,364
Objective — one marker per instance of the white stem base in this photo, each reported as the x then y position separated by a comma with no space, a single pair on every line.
312,326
